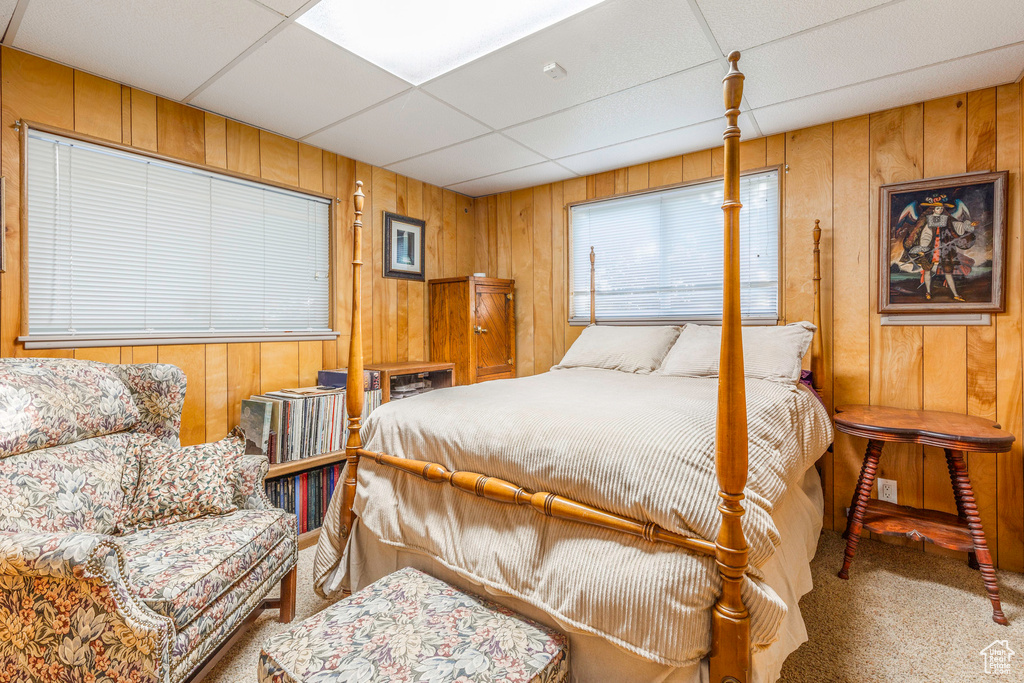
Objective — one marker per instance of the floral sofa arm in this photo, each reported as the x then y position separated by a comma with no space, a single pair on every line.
158,390
249,474
65,611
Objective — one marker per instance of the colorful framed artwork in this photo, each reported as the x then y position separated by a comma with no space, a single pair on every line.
942,245
403,247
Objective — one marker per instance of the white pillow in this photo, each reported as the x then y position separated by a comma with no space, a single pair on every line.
637,349
773,353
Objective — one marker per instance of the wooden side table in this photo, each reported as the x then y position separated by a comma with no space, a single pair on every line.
953,432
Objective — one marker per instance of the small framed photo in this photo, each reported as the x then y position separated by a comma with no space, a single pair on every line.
942,245
403,247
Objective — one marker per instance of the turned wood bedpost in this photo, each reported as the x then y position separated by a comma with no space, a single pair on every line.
593,315
730,621
817,347
354,383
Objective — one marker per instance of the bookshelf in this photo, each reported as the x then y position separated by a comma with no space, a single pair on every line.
393,376
283,469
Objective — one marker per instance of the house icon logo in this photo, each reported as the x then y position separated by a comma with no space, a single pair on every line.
997,657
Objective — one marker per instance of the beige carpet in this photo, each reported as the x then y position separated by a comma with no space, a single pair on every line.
904,615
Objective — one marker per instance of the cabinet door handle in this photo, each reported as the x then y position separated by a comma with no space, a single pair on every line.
480,330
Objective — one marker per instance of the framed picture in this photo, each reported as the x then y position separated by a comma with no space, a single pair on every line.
942,245
403,247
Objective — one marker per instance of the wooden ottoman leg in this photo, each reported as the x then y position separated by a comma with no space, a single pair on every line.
962,485
861,494
287,612
972,558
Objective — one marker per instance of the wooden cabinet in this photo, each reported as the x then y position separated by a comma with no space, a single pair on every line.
473,324
401,380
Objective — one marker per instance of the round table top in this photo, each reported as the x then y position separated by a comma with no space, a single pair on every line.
929,427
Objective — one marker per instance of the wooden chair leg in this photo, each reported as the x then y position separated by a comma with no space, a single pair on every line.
861,494
287,612
972,557
962,485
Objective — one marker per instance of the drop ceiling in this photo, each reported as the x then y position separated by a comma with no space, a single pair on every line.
643,83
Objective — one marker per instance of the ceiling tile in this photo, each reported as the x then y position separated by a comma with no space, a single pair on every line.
538,174
881,42
608,48
969,73
475,158
6,12
665,104
275,88
285,7
660,146
741,25
169,48
403,127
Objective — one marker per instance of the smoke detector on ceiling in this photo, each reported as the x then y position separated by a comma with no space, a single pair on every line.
555,70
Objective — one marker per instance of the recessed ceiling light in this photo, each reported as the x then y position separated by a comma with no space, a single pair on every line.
418,40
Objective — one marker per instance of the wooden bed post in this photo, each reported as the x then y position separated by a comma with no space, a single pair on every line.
730,621
354,385
593,316
817,347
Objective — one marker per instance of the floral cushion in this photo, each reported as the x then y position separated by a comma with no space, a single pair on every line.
410,626
56,401
180,569
159,393
179,484
76,487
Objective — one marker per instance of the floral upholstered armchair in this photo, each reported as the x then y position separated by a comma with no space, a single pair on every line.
124,557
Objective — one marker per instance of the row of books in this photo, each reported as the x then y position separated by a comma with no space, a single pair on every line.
292,424
306,495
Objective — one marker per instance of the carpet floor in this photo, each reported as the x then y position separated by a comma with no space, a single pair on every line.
904,615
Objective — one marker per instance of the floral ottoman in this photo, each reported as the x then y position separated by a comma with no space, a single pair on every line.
410,626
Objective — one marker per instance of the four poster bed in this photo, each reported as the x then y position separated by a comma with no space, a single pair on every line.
637,582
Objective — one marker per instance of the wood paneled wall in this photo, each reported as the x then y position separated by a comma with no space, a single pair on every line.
833,174
221,375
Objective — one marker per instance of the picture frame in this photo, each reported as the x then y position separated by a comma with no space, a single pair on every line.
942,243
403,247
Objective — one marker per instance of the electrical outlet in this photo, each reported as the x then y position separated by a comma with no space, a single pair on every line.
887,490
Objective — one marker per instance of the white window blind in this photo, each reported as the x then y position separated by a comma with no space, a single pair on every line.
659,255
128,247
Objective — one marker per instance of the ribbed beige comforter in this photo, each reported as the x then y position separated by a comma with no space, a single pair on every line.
636,445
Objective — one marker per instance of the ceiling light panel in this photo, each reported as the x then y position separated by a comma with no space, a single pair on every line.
418,41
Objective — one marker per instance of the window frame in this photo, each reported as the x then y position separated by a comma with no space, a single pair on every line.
49,341
781,169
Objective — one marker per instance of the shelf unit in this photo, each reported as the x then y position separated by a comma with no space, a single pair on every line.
283,469
441,374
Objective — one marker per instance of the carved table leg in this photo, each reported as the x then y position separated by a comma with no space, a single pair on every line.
861,494
962,486
972,558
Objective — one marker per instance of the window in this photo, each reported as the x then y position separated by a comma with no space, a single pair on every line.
126,248
659,255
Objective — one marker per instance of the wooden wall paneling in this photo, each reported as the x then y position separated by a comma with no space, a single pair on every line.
503,229
697,165
718,161
401,321
621,180
604,184
543,346
522,272
311,168
775,149
216,140
465,250
37,90
1009,404
480,245
753,153
573,190
102,354
945,347
852,295
97,107
896,351
216,391
492,235
126,355
126,115
449,234
191,358
311,361
279,158
665,172
417,290
385,290
180,131
243,148
329,181
243,377
808,197
371,255
433,214
637,177
558,272
143,120
279,366
144,354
